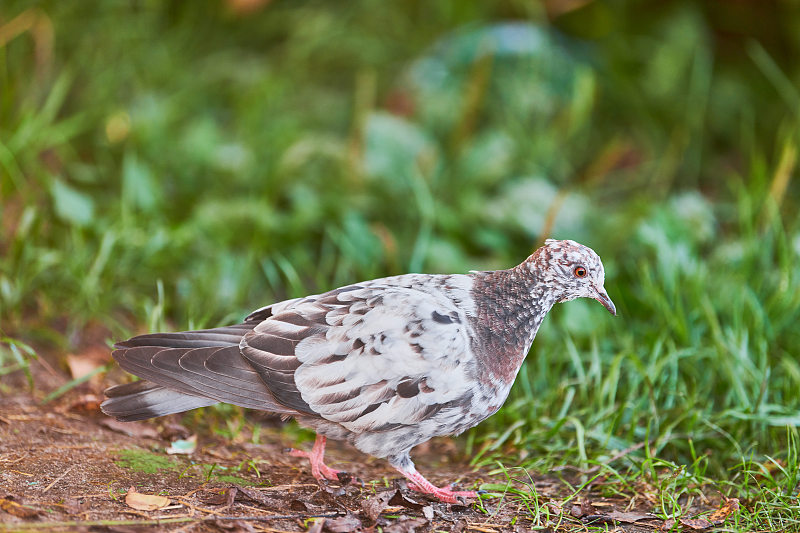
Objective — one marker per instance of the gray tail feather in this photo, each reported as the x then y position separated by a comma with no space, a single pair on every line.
142,400
201,338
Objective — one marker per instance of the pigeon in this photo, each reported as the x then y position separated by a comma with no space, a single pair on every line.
385,364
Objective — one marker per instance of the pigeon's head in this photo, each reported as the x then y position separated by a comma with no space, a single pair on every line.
573,271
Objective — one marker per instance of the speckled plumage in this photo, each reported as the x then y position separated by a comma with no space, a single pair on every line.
385,364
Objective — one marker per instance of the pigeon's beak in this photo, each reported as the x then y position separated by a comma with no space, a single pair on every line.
603,298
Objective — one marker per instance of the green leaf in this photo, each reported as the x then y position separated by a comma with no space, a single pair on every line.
71,205
139,188
395,147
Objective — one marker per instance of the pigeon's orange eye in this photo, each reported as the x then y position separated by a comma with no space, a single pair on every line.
580,272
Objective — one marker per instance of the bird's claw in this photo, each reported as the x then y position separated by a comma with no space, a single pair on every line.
447,495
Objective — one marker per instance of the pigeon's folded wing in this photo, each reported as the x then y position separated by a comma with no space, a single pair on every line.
204,363
368,357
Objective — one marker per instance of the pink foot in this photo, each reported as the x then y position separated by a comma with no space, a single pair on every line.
446,495
418,483
319,469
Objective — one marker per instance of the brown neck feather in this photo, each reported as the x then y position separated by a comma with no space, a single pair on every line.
511,305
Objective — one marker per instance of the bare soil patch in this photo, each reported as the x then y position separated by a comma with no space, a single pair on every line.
64,466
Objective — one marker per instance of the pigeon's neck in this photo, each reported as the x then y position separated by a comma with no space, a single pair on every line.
511,305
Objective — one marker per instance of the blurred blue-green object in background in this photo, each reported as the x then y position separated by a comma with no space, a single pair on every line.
504,92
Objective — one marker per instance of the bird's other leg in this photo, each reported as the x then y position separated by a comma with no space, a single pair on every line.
319,469
417,482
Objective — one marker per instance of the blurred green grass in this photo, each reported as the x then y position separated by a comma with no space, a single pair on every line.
175,165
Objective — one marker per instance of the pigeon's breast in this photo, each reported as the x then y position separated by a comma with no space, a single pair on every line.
509,310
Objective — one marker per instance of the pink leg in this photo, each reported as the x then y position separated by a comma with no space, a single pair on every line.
447,495
319,469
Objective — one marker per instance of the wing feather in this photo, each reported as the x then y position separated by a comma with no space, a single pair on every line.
369,357
142,400
203,338
184,370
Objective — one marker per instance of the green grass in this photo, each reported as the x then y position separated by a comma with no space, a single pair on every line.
167,166
145,462
153,463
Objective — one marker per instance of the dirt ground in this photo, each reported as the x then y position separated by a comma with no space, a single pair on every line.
68,467
64,466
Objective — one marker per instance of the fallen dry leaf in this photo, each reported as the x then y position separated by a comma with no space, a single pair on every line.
406,526
715,518
696,523
667,525
132,429
375,505
87,403
460,526
83,364
16,509
399,498
721,514
554,508
80,366
298,505
585,508
427,512
330,492
628,518
316,525
268,502
343,524
603,504
145,502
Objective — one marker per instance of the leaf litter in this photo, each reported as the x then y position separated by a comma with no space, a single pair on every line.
145,502
60,465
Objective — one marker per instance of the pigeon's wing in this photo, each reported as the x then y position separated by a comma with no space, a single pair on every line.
203,364
267,311
141,400
369,356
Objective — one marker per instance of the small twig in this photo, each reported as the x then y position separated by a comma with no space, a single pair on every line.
177,520
171,507
192,492
267,529
298,516
250,507
196,508
47,366
15,461
88,523
185,527
24,418
483,524
59,478
64,431
68,447
137,513
285,487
